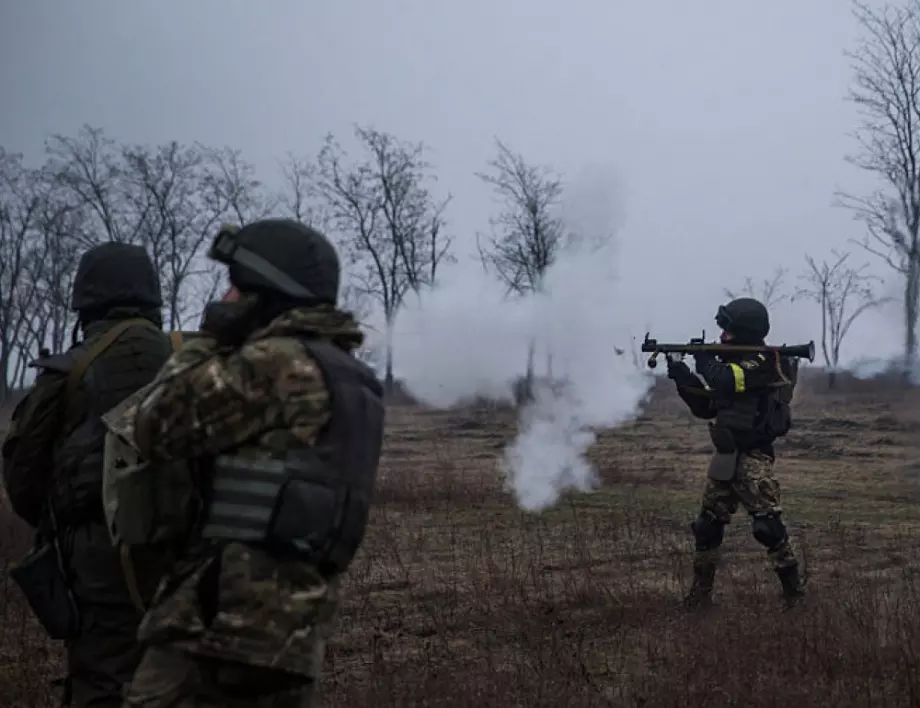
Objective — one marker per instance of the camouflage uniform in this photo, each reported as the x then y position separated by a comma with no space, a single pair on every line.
52,459
234,623
738,394
756,489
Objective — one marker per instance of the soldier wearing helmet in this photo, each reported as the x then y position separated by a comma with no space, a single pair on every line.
746,396
52,467
283,427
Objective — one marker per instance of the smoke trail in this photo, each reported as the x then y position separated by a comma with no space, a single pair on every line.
465,339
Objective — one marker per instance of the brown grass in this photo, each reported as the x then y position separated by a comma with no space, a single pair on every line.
459,599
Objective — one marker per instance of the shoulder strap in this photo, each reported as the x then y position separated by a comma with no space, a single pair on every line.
96,350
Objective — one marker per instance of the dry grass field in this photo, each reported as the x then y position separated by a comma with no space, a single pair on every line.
458,599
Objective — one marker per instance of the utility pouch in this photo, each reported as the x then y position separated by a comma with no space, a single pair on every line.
722,439
148,504
308,517
722,466
725,459
42,580
288,503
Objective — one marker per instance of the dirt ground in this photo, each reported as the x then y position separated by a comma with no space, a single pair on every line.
458,599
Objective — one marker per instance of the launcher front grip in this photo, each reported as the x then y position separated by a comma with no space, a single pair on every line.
801,351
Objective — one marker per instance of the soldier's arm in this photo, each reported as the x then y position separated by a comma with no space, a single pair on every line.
693,392
206,401
735,377
698,400
29,445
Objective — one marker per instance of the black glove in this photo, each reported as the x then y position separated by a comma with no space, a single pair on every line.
703,361
677,369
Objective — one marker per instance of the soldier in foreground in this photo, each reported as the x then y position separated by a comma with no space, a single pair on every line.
281,428
52,470
746,395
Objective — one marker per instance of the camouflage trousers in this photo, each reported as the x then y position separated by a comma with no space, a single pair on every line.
755,488
171,678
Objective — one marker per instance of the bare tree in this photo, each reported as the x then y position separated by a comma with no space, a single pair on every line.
20,211
229,186
51,321
166,181
89,172
768,291
37,261
528,234
886,89
186,193
231,182
389,225
298,196
168,198
413,220
843,293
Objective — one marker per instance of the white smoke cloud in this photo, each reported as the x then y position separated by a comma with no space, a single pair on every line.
466,339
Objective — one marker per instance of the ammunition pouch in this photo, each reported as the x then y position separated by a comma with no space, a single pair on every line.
291,506
43,581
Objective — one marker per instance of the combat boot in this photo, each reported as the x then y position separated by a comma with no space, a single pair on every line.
793,587
700,595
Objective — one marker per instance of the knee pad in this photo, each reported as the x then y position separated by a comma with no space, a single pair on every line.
769,530
708,531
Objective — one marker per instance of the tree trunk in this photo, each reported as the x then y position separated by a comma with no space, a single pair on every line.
524,390
388,382
831,380
6,376
911,303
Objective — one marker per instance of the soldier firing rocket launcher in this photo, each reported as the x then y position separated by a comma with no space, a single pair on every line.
695,345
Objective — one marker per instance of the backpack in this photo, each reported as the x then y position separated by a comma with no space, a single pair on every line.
779,399
144,504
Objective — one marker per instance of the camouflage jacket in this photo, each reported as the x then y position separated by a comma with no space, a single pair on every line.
235,601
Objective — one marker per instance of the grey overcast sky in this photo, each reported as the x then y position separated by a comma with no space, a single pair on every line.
721,124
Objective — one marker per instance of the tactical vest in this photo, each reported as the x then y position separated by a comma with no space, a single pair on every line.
127,364
761,415
312,503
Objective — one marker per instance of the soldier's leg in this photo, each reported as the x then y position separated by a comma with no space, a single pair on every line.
105,654
759,492
171,678
716,508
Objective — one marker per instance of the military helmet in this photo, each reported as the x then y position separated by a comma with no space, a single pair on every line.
280,256
745,318
115,274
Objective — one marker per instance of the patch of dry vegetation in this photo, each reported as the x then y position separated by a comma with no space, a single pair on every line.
459,599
